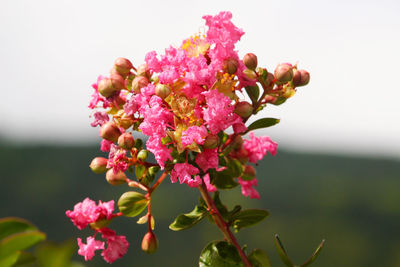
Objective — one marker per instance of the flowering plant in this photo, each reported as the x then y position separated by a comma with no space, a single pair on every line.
193,103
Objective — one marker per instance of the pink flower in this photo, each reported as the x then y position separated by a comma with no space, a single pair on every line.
194,134
87,212
184,172
99,118
219,112
247,188
87,250
208,159
210,187
105,145
117,245
257,147
96,97
152,62
131,106
161,152
117,159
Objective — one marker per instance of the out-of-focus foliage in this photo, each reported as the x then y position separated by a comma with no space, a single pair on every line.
351,202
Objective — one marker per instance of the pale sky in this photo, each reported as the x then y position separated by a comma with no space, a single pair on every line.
52,51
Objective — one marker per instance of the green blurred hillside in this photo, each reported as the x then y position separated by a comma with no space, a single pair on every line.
354,203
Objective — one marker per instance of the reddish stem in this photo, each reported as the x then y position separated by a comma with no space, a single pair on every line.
159,181
222,225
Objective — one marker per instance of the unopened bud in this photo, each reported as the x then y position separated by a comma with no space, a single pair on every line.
284,72
143,70
250,61
250,74
249,173
296,78
162,90
123,66
211,141
126,141
149,243
237,142
106,88
138,83
243,109
117,81
110,131
230,66
142,155
115,178
241,154
305,78
98,165
270,99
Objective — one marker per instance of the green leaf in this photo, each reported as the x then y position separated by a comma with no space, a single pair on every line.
12,225
10,260
248,218
262,123
314,255
188,220
279,101
220,254
223,179
132,203
259,258
282,252
253,92
235,167
20,241
25,258
52,254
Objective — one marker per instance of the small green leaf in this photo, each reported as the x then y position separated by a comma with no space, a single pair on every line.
253,92
188,220
132,203
262,123
235,167
314,255
20,241
25,258
220,254
282,252
279,101
259,258
248,218
10,260
12,225
223,179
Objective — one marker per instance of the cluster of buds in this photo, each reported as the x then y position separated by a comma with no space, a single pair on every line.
190,104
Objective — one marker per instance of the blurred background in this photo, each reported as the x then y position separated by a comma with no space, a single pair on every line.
336,175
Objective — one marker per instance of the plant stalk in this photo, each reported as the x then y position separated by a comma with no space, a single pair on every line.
222,225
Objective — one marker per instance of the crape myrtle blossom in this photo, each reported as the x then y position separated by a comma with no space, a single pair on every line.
87,213
190,103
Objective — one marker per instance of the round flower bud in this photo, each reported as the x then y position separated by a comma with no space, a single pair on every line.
123,66
249,173
143,70
284,72
296,80
117,81
126,141
305,78
211,141
230,66
250,74
110,131
149,243
162,90
237,142
243,109
138,83
106,88
115,178
142,155
98,165
240,154
250,61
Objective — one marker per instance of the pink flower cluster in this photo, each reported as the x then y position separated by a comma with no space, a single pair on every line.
97,216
